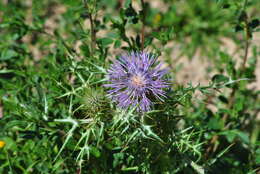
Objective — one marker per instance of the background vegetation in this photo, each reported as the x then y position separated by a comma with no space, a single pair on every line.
54,113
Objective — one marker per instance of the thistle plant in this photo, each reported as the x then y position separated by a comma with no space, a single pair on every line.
58,89
136,79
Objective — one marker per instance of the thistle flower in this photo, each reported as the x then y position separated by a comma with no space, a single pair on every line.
136,79
93,101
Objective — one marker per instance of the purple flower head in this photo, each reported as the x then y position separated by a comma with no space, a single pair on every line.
135,79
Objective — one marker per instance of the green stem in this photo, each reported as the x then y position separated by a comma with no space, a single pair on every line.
143,25
9,162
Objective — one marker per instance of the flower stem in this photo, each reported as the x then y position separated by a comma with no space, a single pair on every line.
143,25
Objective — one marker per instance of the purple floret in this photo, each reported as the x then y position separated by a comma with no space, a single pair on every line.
136,79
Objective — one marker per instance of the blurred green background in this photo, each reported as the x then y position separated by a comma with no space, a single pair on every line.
201,41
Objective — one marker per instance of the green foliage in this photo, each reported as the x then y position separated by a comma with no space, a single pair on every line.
55,116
